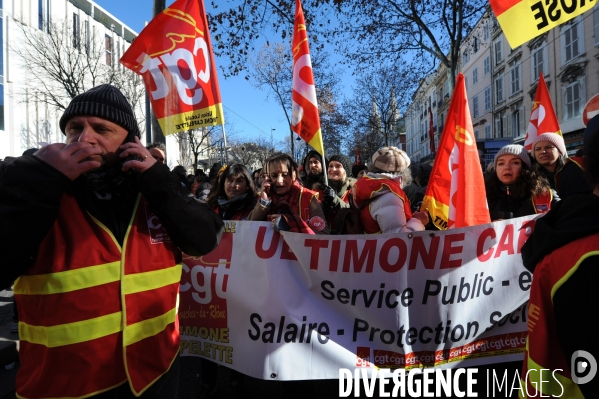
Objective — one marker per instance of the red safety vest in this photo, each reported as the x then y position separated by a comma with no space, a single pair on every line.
542,347
364,190
303,203
93,315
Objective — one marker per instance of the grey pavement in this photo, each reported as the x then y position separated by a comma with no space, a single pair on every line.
8,347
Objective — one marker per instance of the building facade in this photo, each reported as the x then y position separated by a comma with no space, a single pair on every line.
501,82
28,118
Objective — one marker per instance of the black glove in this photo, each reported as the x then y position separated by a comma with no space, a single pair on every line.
328,196
281,224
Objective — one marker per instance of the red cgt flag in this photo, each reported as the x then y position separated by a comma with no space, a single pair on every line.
174,56
455,196
304,118
358,157
542,117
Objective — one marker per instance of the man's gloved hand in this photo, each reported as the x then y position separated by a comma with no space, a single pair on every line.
328,195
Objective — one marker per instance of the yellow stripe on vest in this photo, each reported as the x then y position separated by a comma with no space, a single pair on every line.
71,333
148,328
568,388
67,281
139,282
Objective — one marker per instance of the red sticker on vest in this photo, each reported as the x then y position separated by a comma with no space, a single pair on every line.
317,223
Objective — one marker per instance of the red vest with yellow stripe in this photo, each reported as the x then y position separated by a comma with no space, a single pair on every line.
542,347
365,189
93,315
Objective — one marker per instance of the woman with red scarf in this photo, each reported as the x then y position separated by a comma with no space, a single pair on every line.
287,204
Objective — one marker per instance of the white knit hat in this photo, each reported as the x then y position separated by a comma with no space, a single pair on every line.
513,149
553,138
390,159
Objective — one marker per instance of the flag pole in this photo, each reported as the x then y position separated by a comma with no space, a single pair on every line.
225,144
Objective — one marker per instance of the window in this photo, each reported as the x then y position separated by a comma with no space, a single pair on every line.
108,41
474,76
476,133
475,107
87,36
76,32
118,55
515,75
571,43
475,45
517,123
486,34
596,25
44,15
499,90
537,63
488,98
498,51
487,64
572,100
465,57
500,126
488,131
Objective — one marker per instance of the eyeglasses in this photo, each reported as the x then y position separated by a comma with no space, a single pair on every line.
547,148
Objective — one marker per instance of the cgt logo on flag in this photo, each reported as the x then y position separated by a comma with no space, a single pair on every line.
542,117
174,56
305,121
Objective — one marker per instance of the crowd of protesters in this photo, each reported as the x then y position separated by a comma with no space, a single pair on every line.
87,197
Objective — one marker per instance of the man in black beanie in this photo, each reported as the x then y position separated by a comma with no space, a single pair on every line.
95,229
315,169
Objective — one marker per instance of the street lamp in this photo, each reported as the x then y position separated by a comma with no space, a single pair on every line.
271,139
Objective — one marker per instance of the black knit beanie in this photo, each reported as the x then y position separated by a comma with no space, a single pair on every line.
106,102
343,160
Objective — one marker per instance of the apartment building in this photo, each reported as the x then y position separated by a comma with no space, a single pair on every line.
26,117
501,82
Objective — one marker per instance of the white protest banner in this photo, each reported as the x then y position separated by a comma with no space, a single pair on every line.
298,306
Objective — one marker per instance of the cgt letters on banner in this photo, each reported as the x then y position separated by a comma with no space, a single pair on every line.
446,299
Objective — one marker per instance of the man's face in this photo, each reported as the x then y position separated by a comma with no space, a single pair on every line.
158,155
315,166
100,133
257,182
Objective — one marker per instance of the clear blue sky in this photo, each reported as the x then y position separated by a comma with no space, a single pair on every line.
245,107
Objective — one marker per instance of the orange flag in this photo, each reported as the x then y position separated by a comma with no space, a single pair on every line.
542,117
455,196
174,56
304,118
